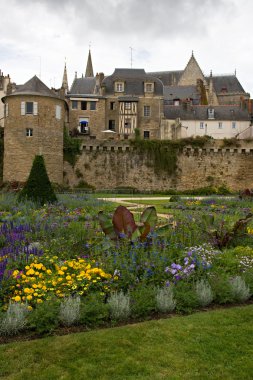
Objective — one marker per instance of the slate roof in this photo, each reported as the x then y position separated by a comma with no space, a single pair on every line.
180,92
34,87
168,78
83,86
230,82
229,112
134,82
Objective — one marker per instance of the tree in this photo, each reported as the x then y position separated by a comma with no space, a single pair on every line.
38,187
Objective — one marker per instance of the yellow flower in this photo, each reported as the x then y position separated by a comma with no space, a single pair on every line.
39,300
60,272
29,298
29,308
17,299
26,290
68,278
49,271
34,286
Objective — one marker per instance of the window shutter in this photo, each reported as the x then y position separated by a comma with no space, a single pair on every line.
22,108
6,109
58,112
35,108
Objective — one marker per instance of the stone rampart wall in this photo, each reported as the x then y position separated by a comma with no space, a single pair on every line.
114,164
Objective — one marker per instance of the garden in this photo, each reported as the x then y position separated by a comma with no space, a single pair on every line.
81,263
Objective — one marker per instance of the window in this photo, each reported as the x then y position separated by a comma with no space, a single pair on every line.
176,102
84,126
210,113
83,106
112,105
112,125
29,132
146,111
233,124
220,125
93,106
29,108
119,86
201,125
146,135
127,106
149,87
74,105
127,125
58,112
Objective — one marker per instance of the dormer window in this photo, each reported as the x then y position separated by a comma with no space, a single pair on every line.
119,86
149,87
176,102
210,112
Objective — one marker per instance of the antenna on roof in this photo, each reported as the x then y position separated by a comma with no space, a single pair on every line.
131,56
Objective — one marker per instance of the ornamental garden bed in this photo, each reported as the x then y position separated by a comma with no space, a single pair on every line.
67,266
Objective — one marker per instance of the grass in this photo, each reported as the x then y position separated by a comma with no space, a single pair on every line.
205,345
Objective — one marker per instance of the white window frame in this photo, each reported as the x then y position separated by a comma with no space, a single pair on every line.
233,124
149,87
119,86
220,124
29,132
146,111
201,125
127,105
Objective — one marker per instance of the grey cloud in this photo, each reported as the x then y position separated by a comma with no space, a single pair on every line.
136,17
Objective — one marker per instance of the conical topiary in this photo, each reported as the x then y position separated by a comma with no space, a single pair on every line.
38,187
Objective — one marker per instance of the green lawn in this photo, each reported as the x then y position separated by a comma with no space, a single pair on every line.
206,345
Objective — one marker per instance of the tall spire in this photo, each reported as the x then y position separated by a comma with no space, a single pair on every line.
65,79
89,68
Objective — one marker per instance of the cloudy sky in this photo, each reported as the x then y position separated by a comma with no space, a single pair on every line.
37,35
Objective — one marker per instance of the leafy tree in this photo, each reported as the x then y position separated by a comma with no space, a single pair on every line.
38,187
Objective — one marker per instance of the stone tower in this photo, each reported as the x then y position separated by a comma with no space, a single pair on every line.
89,68
34,125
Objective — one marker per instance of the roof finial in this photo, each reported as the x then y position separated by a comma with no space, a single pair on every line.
235,72
211,74
192,53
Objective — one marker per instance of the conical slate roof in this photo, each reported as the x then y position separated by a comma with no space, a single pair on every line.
34,87
89,68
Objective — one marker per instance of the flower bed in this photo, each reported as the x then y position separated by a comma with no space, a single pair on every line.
56,262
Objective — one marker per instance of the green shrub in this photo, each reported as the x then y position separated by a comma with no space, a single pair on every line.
38,187
142,300
186,298
45,318
94,311
221,288
175,198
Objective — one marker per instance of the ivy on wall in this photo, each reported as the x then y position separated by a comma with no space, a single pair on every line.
71,148
163,154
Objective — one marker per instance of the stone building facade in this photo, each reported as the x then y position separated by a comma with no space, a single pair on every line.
161,105
5,83
34,125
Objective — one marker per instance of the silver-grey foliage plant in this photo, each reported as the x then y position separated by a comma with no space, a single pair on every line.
70,310
165,299
14,319
119,305
239,289
204,292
